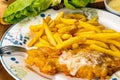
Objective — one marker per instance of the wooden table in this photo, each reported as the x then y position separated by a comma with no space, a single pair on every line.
3,73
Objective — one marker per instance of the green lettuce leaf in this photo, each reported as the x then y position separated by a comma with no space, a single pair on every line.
68,5
80,3
55,2
24,8
72,4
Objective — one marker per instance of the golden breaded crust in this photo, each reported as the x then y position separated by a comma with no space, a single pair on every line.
48,61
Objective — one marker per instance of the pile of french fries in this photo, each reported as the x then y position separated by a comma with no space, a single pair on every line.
70,31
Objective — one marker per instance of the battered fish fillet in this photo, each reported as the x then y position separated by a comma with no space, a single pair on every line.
76,63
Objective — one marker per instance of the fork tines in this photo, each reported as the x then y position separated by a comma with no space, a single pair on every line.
6,49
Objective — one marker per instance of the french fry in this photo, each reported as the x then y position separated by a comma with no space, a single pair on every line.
79,26
35,28
59,26
114,48
75,45
69,42
60,15
93,21
34,40
101,35
108,31
39,44
49,33
68,21
44,37
51,24
43,41
57,38
89,26
54,29
47,20
101,27
86,32
71,16
82,30
107,51
67,29
116,43
66,36
80,17
102,44
76,16
110,41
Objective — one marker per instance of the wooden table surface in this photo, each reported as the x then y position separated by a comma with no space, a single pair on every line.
3,73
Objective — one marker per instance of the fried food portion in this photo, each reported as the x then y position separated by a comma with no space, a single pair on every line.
44,58
80,63
89,64
76,46
70,31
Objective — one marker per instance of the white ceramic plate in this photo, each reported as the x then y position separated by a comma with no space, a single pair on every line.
18,34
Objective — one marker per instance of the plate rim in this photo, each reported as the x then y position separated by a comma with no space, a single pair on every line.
1,59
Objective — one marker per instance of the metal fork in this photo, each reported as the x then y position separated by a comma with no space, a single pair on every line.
11,48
